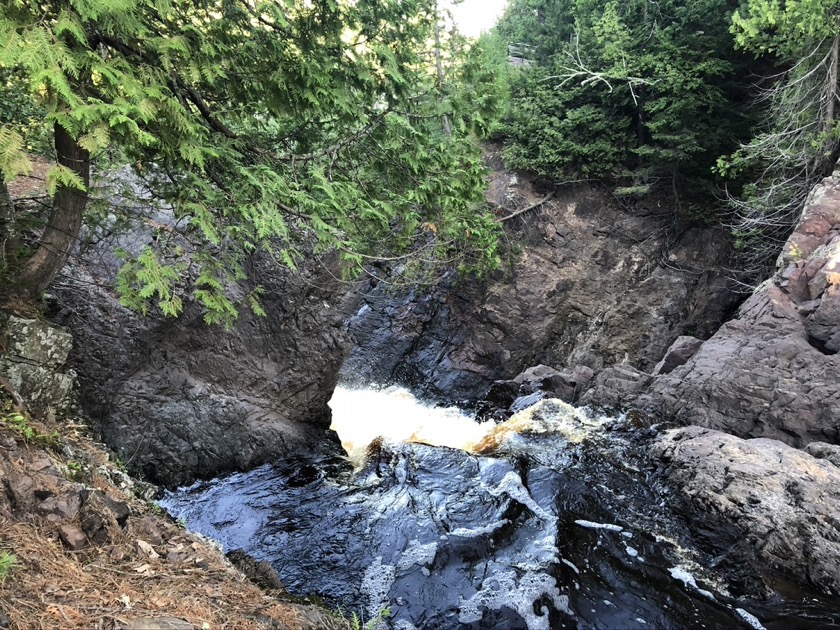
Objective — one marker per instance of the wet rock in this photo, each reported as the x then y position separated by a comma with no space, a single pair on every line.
678,354
73,537
504,398
553,383
523,402
784,502
180,399
769,372
591,287
260,572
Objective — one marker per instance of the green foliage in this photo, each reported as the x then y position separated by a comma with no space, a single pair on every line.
642,94
799,142
287,126
21,109
784,29
7,563
356,621
77,470
481,90
22,425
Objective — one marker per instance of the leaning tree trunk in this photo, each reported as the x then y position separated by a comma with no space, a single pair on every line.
62,230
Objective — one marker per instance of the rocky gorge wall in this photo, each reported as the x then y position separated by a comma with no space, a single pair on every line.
772,370
179,400
588,282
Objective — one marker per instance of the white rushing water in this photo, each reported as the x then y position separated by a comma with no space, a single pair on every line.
395,415
359,416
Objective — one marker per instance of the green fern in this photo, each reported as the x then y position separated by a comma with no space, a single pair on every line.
7,563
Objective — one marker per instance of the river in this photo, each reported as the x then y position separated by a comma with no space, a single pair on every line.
552,519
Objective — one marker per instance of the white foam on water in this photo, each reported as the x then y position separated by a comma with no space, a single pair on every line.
511,485
475,532
417,555
592,525
682,574
376,584
750,619
517,593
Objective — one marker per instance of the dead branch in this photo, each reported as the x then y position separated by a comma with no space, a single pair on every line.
533,206
20,406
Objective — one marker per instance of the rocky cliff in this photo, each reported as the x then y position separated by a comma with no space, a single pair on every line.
771,371
588,281
179,400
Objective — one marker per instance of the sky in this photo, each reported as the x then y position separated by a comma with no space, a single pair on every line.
475,16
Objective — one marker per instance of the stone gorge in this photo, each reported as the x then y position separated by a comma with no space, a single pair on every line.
610,306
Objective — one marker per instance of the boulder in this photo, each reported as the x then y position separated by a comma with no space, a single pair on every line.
33,355
179,399
615,386
504,398
36,342
784,502
678,354
828,452
73,537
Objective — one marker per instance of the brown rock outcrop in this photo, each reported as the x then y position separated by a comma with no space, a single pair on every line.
785,502
592,283
772,371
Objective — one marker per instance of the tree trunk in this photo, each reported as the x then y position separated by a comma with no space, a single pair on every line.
7,225
61,232
439,65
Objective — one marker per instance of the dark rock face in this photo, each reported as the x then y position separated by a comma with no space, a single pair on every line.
504,398
180,400
784,501
593,284
772,371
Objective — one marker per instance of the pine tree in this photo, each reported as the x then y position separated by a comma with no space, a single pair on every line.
639,93
799,142
282,125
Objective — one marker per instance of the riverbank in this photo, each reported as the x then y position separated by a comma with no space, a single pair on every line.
82,546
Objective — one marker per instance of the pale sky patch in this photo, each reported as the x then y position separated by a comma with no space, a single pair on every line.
476,16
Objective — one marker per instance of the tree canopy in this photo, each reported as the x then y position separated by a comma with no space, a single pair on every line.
799,141
285,126
640,93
